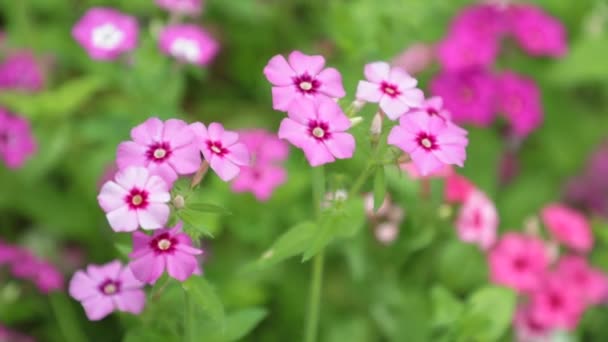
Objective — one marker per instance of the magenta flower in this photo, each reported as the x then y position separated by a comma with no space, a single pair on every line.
221,149
8,253
17,143
103,289
537,33
460,51
21,71
393,88
430,141
477,221
167,249
556,305
188,7
135,198
485,21
319,129
568,227
457,188
528,328
301,76
188,43
468,95
167,149
591,284
106,33
264,174
519,101
44,275
518,261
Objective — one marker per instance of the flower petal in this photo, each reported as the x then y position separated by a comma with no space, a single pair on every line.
123,219
331,83
306,64
368,91
148,132
278,72
377,72
130,153
154,216
341,145
98,307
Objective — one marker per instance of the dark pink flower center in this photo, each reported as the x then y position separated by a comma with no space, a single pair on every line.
427,141
217,148
318,130
432,111
164,243
109,287
4,137
158,152
467,94
389,89
477,219
556,301
137,199
306,84
520,264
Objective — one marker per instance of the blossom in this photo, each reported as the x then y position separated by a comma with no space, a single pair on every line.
457,188
527,328
169,249
555,304
412,171
537,33
167,149
589,283
416,58
301,76
477,221
433,106
430,141
16,141
8,253
221,149
188,43
319,129
21,71
13,336
103,289
135,198
519,101
106,33
484,21
568,226
518,261
459,51
393,88
386,232
189,7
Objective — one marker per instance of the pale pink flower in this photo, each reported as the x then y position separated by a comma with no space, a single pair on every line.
21,71
430,141
412,170
221,149
518,261
383,210
568,226
187,7
301,76
477,221
188,43
393,88
103,289
520,103
169,249
319,129
527,328
457,188
17,143
167,149
135,198
537,33
555,304
106,33
387,232
591,284
416,58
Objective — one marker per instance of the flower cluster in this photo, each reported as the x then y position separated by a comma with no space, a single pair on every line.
17,143
24,265
385,220
107,34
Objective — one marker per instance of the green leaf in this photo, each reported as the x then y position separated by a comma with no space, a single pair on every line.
292,242
379,187
195,221
207,208
496,306
204,297
583,62
242,322
147,334
446,307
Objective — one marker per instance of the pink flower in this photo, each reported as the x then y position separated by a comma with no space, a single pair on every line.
518,261
222,149
519,101
457,188
484,21
103,289
43,274
527,328
302,77
393,88
188,43
386,233
556,305
167,249
468,95
21,71
478,221
537,33
106,33
8,253
48,278
568,227
460,51
264,174
135,198
416,58
319,129
433,106
430,141
412,170
167,149
189,7
591,284
17,143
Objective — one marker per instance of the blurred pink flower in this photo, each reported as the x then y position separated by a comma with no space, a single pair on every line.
106,33
458,51
478,221
319,129
485,21
518,261
169,249
188,43
433,106
591,284
21,71
17,143
520,102
26,266
103,289
386,232
416,58
412,170
430,141
222,149
48,278
383,210
555,304
301,76
135,198
568,226
188,7
167,149
8,253
527,328
588,190
537,33
8,335
457,188
393,88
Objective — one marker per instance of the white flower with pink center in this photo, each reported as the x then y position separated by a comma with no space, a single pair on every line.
188,43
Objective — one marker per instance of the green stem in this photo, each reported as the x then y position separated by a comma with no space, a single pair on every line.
65,318
361,180
189,335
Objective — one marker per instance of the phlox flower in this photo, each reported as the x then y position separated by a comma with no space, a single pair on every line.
8,253
188,43
457,188
416,58
430,141
529,329
589,283
301,76
412,171
537,33
319,129
221,149
106,33
17,143
167,149
477,221
188,7
520,102
386,232
43,274
433,106
485,21
568,226
393,88
555,304
135,198
103,289
458,51
21,71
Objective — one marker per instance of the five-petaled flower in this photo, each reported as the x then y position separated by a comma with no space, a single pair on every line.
188,43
